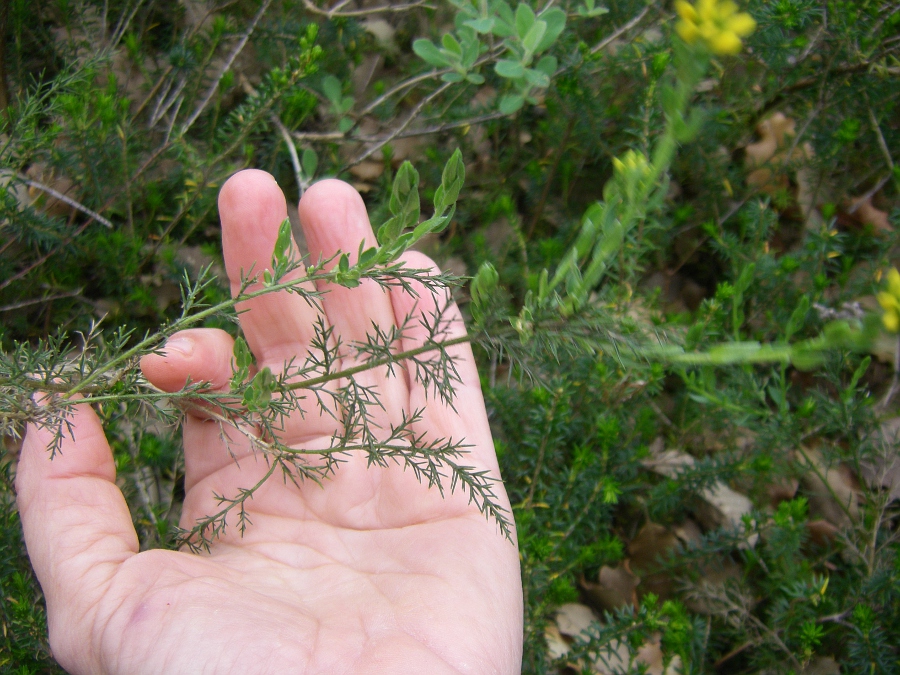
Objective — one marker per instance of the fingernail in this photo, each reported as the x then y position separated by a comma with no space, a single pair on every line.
180,345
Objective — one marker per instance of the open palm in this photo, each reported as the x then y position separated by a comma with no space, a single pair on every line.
372,572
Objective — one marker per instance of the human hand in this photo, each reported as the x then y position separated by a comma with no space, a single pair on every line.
372,572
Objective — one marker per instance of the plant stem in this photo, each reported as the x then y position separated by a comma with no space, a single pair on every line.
541,452
551,174
369,365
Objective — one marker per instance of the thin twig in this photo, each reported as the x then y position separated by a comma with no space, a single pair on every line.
168,135
882,144
868,194
541,452
734,652
120,29
619,31
817,470
405,84
412,115
36,301
40,261
292,150
238,48
773,635
598,485
441,128
424,131
814,42
103,15
167,99
187,37
335,11
551,174
814,79
144,496
66,200
162,79
400,86
834,618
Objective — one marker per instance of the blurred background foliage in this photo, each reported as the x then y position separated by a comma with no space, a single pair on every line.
671,518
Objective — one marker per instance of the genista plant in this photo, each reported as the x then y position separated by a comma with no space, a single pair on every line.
41,383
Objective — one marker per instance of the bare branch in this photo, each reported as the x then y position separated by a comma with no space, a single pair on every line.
383,9
400,86
412,115
424,131
36,301
619,31
292,150
66,200
123,24
166,99
405,84
882,144
238,48
868,194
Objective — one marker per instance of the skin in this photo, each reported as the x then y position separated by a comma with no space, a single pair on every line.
370,573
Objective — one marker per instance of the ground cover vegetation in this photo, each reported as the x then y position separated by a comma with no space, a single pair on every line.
672,228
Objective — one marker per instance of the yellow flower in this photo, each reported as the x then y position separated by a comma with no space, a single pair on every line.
631,172
632,162
717,23
890,302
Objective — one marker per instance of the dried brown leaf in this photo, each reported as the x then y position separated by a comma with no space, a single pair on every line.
821,532
368,170
383,32
649,655
720,507
573,619
615,588
781,488
652,543
836,498
557,647
773,132
864,212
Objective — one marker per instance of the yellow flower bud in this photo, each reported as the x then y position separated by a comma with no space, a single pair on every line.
890,302
891,321
686,11
716,23
741,24
893,279
725,42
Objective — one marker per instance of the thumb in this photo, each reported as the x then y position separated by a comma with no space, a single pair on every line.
77,526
